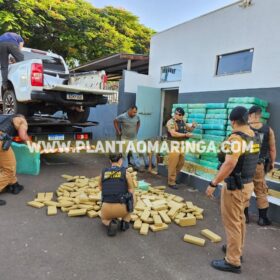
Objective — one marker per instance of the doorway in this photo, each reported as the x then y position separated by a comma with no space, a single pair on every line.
169,97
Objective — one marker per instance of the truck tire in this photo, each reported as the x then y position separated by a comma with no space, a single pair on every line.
78,117
11,105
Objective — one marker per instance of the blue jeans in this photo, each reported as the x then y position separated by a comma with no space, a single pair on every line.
135,156
146,160
136,160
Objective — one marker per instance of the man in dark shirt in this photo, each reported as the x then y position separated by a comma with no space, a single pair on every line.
10,43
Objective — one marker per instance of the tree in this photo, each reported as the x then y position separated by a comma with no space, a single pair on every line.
74,28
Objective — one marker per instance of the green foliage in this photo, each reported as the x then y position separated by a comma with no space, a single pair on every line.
74,28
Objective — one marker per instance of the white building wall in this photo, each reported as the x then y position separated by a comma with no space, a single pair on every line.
133,79
197,43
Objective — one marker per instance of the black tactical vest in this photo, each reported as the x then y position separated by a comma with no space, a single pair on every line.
114,184
247,162
264,136
181,128
6,125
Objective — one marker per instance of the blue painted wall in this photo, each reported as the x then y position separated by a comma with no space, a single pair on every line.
105,115
126,99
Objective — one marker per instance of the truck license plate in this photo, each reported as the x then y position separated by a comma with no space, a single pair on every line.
56,137
73,96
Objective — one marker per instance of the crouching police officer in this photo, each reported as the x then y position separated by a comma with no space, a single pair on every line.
265,164
177,130
237,171
117,187
10,125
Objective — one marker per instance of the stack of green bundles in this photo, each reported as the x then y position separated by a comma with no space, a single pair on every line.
213,125
197,113
215,121
182,105
214,129
248,102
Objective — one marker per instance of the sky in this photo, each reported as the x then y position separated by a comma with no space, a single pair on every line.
163,14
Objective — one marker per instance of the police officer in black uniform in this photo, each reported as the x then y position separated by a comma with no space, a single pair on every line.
237,171
265,164
117,187
10,126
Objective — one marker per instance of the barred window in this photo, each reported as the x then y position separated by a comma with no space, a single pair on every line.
171,73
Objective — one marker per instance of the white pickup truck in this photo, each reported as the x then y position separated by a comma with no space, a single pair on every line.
41,84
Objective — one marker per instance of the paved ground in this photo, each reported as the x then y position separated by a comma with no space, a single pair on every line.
35,246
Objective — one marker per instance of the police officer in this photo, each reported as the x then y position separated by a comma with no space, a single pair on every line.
237,171
10,125
265,164
177,130
10,43
117,187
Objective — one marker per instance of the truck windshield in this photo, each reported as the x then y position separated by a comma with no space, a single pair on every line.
49,62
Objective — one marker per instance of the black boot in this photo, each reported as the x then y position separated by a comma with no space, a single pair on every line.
173,187
223,265
246,213
124,225
112,228
15,188
2,202
263,219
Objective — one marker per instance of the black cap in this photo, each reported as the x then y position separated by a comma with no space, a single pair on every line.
180,110
255,109
115,157
239,113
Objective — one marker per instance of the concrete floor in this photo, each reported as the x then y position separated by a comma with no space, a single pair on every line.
35,246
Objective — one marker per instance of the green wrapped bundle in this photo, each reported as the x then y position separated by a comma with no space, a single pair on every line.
216,132
217,111
205,175
182,105
199,121
213,126
196,136
210,164
215,121
228,133
142,185
197,111
213,137
209,158
217,116
196,106
252,100
194,155
233,105
27,162
211,155
192,140
197,131
265,115
229,128
192,159
217,144
197,116
215,105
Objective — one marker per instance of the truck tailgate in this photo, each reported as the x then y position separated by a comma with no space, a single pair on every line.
78,89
